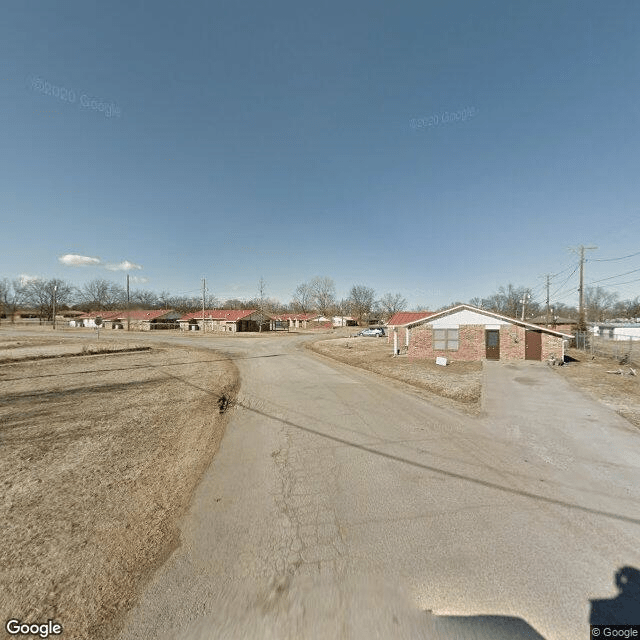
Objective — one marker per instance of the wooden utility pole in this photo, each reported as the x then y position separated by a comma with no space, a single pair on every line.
128,306
55,289
548,276
204,287
525,298
582,324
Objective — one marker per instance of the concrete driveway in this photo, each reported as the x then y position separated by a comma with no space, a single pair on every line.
342,505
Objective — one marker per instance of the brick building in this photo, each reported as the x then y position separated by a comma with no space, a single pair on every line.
231,320
466,333
400,321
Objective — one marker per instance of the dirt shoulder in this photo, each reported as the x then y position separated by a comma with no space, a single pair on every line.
620,392
458,385
100,456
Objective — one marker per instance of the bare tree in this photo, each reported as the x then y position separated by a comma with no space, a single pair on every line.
631,308
599,303
392,303
12,297
342,308
181,304
236,303
323,290
144,299
508,301
100,294
41,294
361,301
303,298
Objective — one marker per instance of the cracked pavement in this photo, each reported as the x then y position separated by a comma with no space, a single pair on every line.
342,506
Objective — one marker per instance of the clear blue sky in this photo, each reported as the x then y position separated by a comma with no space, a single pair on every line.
288,140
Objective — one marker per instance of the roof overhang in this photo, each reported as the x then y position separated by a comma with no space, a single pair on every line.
492,314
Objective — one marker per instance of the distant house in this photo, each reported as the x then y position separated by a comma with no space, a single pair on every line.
344,321
136,319
617,330
21,314
466,333
89,319
296,320
143,320
231,320
564,325
335,321
400,322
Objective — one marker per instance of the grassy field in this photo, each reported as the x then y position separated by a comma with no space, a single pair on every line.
100,455
459,384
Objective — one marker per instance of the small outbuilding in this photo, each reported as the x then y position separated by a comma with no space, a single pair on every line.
466,333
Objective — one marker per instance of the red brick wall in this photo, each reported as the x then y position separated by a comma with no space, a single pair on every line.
472,344
512,342
552,346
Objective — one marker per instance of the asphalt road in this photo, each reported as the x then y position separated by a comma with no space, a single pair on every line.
341,505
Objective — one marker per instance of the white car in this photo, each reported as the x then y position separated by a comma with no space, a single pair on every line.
373,333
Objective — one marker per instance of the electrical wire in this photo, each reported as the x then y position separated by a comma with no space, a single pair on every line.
631,255
619,275
561,287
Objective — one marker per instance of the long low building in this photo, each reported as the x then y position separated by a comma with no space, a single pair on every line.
136,319
233,320
617,330
466,333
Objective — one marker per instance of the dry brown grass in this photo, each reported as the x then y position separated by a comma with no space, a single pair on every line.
619,392
100,455
460,383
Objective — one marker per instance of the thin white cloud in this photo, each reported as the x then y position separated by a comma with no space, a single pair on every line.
139,279
25,278
125,265
74,260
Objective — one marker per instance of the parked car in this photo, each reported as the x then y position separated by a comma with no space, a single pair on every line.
372,333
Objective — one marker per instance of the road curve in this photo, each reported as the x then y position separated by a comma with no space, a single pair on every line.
341,505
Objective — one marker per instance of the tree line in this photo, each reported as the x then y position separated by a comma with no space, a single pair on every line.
317,295
599,304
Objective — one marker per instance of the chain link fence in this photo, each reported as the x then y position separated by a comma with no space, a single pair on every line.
625,349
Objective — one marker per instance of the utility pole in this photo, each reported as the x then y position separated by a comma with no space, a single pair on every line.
128,314
204,286
55,289
582,325
524,300
548,276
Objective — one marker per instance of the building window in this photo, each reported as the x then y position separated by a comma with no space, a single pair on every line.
445,339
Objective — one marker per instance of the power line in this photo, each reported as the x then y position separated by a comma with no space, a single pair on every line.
619,275
619,284
631,255
555,293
